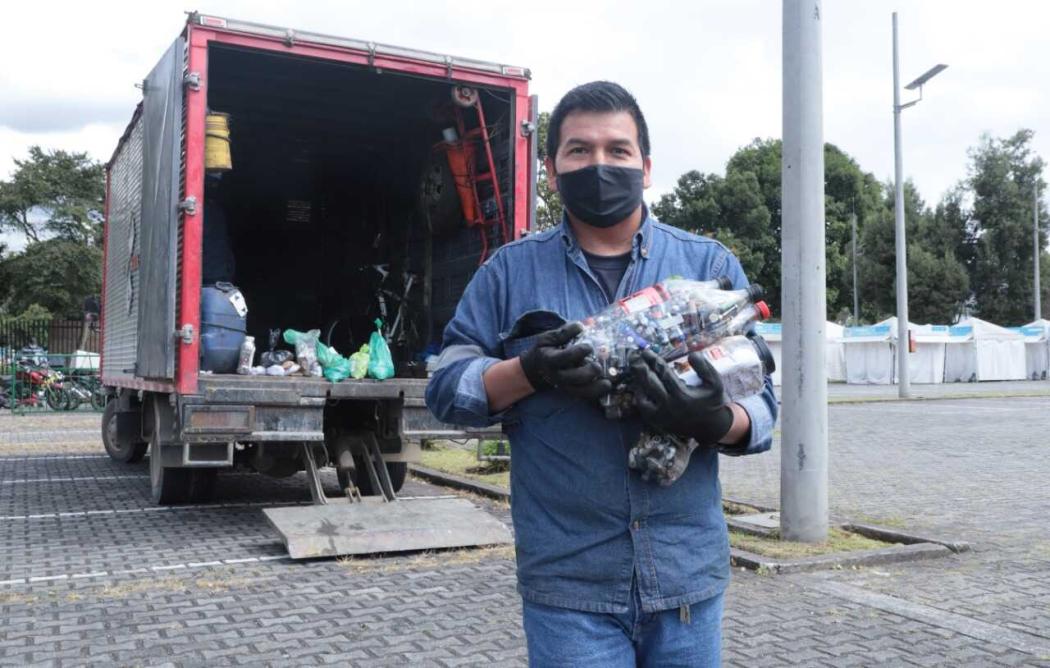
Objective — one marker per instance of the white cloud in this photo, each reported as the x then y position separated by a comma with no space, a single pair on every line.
707,73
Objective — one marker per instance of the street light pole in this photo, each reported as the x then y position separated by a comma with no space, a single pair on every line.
856,297
804,434
1036,248
903,381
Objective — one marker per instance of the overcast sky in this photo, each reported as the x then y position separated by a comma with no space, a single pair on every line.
706,72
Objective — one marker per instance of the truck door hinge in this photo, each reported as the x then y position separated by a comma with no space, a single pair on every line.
189,205
192,80
186,333
527,128
289,38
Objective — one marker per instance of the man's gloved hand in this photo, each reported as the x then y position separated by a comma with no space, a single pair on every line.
671,407
548,364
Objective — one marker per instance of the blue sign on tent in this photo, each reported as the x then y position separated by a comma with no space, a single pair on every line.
868,331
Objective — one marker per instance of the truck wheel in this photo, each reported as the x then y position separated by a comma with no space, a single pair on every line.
169,485
127,453
398,472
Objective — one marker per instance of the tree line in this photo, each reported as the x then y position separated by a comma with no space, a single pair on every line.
56,199
971,253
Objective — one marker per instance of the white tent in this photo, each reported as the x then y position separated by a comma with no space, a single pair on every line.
1037,349
978,350
868,355
834,353
926,364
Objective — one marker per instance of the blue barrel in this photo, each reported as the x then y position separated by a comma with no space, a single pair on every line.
223,325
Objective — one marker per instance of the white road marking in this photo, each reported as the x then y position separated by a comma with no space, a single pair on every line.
95,575
76,479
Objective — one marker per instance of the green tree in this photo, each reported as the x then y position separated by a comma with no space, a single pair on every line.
938,284
548,206
56,274
65,190
1003,174
743,211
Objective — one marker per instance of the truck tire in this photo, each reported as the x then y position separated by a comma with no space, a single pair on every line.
127,453
398,473
169,485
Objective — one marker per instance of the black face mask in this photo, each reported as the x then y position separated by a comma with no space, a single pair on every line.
602,195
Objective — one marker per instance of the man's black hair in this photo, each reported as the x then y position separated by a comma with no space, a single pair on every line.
596,96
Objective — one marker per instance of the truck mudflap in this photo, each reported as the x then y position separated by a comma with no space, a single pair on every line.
374,525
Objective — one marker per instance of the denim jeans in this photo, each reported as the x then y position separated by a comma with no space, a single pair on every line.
564,637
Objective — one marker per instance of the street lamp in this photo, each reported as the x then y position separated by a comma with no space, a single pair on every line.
903,382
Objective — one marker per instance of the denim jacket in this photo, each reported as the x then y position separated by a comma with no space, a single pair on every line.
586,525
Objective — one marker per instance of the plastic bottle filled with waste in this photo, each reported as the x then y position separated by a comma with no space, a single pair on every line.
671,318
247,356
743,362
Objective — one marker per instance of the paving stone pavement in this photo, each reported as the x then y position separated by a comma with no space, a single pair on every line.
90,573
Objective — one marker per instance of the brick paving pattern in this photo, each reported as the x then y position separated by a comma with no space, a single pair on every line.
90,573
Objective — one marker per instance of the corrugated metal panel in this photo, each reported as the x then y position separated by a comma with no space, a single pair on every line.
122,260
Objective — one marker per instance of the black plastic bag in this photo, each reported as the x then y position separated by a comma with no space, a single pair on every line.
273,355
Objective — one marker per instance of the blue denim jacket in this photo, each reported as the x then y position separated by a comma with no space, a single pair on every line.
585,524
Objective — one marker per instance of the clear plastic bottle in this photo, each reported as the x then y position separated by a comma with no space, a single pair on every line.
671,318
247,356
742,362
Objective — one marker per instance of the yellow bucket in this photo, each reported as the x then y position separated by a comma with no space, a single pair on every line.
217,142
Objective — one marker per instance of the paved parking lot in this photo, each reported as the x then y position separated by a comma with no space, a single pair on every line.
90,572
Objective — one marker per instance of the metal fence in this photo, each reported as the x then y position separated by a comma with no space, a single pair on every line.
49,365
58,337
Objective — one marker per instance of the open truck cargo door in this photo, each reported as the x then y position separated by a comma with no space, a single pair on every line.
161,189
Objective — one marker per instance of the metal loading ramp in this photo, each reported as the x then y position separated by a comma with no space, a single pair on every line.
374,525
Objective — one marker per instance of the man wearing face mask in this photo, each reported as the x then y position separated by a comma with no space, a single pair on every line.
612,570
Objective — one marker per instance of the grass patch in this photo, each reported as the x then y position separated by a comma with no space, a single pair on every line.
734,508
838,541
465,463
426,559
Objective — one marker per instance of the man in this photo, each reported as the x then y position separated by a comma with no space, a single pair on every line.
613,570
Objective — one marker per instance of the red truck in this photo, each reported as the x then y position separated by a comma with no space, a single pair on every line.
367,181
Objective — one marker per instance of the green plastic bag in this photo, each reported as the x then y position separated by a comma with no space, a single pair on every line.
359,362
380,363
335,366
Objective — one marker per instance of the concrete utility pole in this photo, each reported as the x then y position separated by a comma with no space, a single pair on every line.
804,389
903,380
1037,249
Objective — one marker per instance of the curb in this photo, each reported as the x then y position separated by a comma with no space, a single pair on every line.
1020,394
460,483
886,555
894,536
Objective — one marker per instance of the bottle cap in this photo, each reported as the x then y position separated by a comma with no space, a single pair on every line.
763,310
769,364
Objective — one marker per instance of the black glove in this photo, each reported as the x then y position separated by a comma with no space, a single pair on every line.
548,364
671,407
